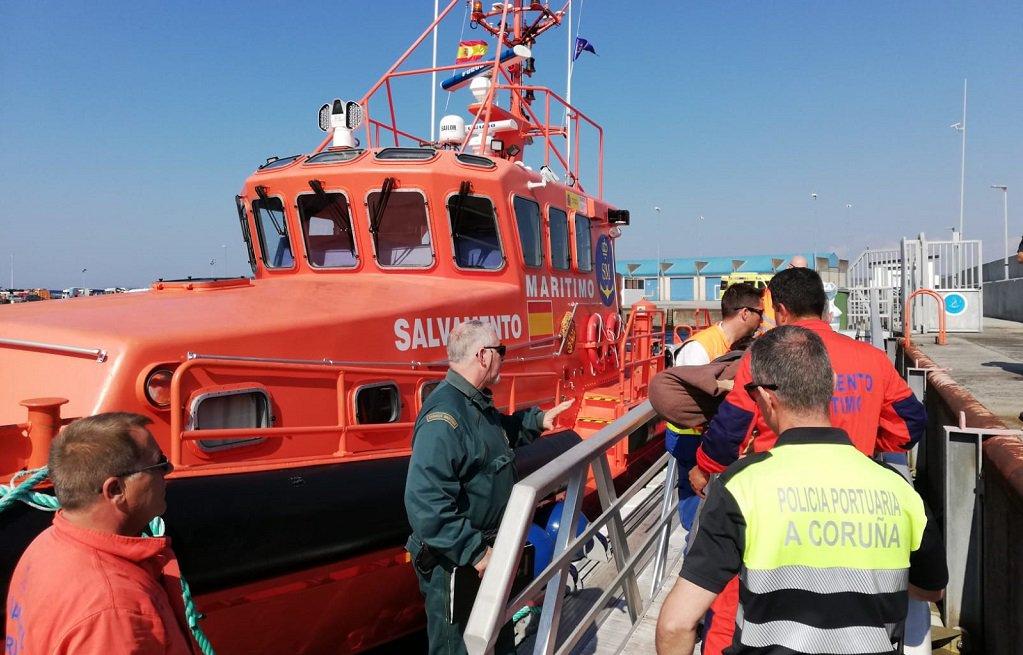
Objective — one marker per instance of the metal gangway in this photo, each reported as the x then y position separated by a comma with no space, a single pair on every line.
639,550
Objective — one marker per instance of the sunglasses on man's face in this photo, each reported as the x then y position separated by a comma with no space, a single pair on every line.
753,386
756,310
163,466
500,350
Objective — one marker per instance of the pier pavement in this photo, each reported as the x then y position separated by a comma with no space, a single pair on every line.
988,364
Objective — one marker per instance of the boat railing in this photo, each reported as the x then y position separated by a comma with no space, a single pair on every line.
494,605
342,375
560,118
99,354
640,349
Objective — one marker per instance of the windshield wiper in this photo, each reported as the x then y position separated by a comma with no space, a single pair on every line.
464,189
340,219
261,192
381,206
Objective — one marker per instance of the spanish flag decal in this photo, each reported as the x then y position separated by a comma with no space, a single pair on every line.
541,318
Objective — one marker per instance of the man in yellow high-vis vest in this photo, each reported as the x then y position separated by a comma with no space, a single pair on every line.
741,311
827,543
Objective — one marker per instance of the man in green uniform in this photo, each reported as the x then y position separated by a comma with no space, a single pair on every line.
826,542
459,480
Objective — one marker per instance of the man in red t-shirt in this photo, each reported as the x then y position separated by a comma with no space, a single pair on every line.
89,584
872,403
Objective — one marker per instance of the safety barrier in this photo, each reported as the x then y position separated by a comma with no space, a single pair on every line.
970,470
570,471
340,374
907,319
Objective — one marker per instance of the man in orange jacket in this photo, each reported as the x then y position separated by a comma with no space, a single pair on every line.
872,403
89,584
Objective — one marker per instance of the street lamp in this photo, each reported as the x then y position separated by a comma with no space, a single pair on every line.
961,127
699,221
816,225
1005,215
657,210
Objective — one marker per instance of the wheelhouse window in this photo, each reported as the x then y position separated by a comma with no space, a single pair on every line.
558,221
377,403
474,232
274,244
583,243
327,228
527,216
401,231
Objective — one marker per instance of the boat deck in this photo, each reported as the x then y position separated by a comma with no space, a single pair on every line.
988,364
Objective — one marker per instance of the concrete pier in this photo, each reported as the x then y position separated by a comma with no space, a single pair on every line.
989,365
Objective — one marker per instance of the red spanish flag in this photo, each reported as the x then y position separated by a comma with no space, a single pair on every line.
470,51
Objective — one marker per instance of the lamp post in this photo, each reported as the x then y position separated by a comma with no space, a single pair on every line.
699,222
1005,216
961,127
657,210
816,227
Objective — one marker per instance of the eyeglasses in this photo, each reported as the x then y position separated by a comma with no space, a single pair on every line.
756,310
752,386
164,466
500,350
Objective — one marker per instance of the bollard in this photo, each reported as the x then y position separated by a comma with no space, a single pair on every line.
43,425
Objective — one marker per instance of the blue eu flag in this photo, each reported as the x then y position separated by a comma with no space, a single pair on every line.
582,45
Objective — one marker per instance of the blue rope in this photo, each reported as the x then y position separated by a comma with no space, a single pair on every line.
15,491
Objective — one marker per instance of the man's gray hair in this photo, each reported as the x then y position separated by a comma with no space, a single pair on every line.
467,338
796,360
90,450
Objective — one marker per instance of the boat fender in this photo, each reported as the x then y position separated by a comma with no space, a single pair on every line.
554,526
543,548
595,343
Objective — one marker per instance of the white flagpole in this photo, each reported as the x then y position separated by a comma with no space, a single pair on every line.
433,85
568,90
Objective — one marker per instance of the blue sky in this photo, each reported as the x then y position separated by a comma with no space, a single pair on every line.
126,129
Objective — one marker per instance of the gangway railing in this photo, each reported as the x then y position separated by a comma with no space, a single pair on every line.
570,471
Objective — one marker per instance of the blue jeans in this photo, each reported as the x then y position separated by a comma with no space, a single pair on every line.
683,448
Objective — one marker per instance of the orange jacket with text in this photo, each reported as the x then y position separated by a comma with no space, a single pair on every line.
871,402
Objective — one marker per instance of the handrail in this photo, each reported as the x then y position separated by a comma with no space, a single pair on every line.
491,609
907,322
98,353
178,434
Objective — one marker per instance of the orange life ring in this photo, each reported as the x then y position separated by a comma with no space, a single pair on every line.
595,342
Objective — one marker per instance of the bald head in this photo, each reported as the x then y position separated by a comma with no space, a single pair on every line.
797,261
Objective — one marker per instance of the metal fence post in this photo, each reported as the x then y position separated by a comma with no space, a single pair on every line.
668,505
616,533
550,616
876,333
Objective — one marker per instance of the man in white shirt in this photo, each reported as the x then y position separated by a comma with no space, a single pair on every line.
742,309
